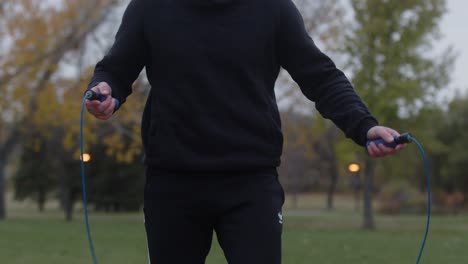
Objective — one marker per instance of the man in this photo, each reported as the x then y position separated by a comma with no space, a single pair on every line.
211,129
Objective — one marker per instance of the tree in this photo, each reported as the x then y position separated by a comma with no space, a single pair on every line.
453,134
323,21
34,178
388,49
36,37
325,148
115,185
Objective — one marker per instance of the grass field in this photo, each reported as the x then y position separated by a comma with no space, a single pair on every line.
310,236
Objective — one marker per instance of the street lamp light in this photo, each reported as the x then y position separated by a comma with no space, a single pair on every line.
86,157
354,167
355,182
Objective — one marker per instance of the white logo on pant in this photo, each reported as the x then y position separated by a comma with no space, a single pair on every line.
280,218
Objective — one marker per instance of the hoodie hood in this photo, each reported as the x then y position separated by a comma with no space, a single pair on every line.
212,3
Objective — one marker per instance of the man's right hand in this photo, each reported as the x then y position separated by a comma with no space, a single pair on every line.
101,110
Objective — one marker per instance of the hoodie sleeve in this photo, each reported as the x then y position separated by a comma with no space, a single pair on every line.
123,63
318,77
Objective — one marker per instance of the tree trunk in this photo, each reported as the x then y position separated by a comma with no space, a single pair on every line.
465,197
332,164
2,188
41,200
67,200
295,195
294,199
368,221
357,201
6,148
69,208
332,187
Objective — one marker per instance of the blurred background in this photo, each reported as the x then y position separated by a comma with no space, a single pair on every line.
407,60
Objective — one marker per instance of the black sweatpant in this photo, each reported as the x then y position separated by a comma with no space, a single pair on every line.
183,209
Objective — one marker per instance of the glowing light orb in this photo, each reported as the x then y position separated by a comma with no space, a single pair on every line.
86,157
353,167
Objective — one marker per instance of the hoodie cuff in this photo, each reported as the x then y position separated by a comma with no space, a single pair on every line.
364,126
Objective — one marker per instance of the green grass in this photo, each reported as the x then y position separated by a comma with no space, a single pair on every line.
311,235
319,237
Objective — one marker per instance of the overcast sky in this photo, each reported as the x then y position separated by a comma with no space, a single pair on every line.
454,27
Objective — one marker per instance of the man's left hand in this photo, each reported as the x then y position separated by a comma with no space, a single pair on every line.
387,134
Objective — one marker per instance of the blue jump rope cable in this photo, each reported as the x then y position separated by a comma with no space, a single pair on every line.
404,138
83,186
429,200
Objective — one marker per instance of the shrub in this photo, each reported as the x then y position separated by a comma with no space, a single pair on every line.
401,197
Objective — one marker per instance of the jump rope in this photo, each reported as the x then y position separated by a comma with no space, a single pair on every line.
402,139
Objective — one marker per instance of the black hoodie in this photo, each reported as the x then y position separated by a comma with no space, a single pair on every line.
212,65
